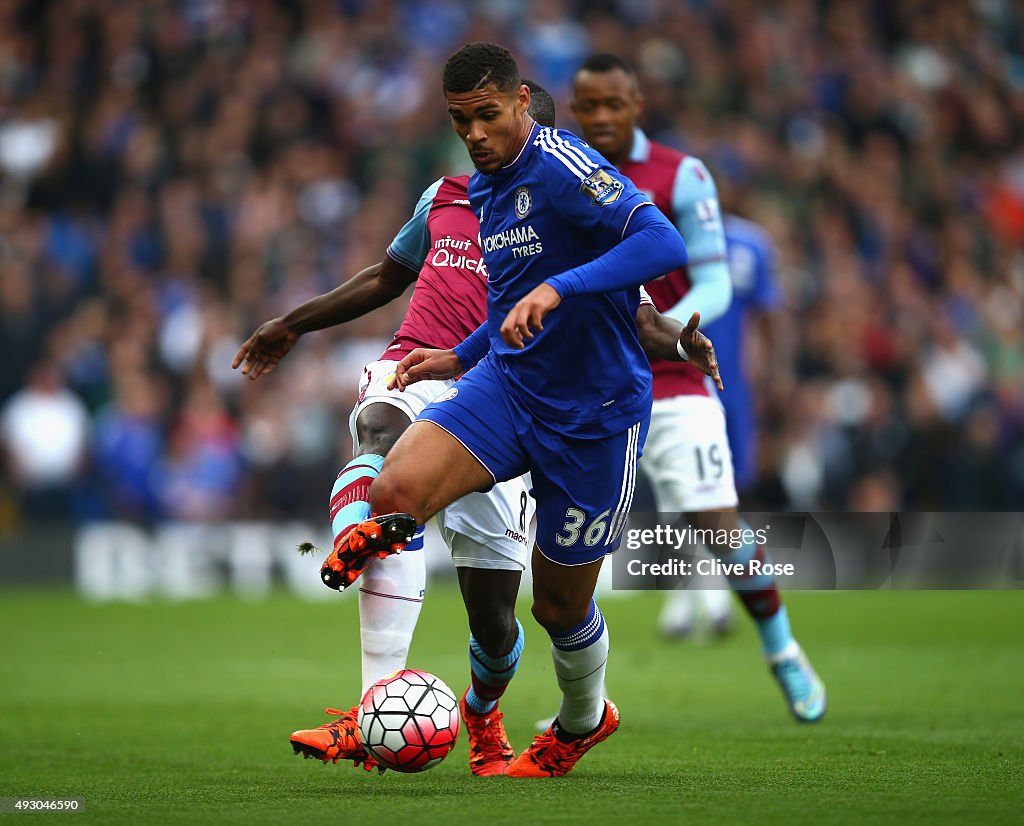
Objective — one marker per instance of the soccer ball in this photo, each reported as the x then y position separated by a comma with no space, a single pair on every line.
409,721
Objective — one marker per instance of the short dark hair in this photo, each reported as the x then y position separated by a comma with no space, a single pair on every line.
476,65
606,62
542,105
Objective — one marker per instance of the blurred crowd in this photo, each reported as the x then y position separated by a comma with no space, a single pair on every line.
175,172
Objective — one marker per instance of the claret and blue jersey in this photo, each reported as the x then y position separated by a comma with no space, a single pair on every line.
557,206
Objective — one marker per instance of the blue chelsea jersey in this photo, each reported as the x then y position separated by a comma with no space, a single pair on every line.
559,205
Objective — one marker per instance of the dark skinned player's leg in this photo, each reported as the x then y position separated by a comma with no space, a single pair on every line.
495,646
490,598
378,427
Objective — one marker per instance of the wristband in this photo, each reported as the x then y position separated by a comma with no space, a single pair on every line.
681,351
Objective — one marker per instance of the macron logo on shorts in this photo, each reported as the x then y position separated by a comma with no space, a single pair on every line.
515,535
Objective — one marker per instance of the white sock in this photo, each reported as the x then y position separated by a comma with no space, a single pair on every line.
390,598
580,656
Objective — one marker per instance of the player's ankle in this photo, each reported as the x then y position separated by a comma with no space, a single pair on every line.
475,712
564,736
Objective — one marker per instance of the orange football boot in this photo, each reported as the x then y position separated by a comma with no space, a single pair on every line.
376,537
334,741
548,756
489,751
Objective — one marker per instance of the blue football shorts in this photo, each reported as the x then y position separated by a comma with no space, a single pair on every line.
583,487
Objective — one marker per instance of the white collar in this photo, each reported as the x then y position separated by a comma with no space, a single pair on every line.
641,151
522,149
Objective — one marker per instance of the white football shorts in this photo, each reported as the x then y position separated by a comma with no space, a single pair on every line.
687,458
482,530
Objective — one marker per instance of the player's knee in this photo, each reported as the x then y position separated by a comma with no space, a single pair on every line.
555,614
379,443
391,492
494,629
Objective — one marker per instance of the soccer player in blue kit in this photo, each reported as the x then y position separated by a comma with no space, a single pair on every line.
561,387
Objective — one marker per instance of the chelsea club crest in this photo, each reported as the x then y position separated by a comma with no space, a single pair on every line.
524,201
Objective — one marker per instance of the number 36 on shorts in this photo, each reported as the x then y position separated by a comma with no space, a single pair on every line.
592,532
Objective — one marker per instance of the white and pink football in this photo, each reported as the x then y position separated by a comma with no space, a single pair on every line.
409,721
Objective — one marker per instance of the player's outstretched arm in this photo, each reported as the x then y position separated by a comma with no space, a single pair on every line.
422,364
665,338
367,290
364,292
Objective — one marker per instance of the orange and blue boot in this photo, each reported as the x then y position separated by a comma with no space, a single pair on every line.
489,751
334,741
373,538
548,756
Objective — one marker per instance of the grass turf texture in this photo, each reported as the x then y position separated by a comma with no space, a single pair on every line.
180,713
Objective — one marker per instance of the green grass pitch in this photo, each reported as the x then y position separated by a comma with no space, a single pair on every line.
180,713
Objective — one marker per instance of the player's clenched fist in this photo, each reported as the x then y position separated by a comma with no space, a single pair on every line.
528,314
422,364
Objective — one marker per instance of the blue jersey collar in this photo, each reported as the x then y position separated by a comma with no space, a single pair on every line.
641,151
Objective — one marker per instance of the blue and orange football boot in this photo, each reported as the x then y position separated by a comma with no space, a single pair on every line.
376,537
489,751
334,741
548,756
